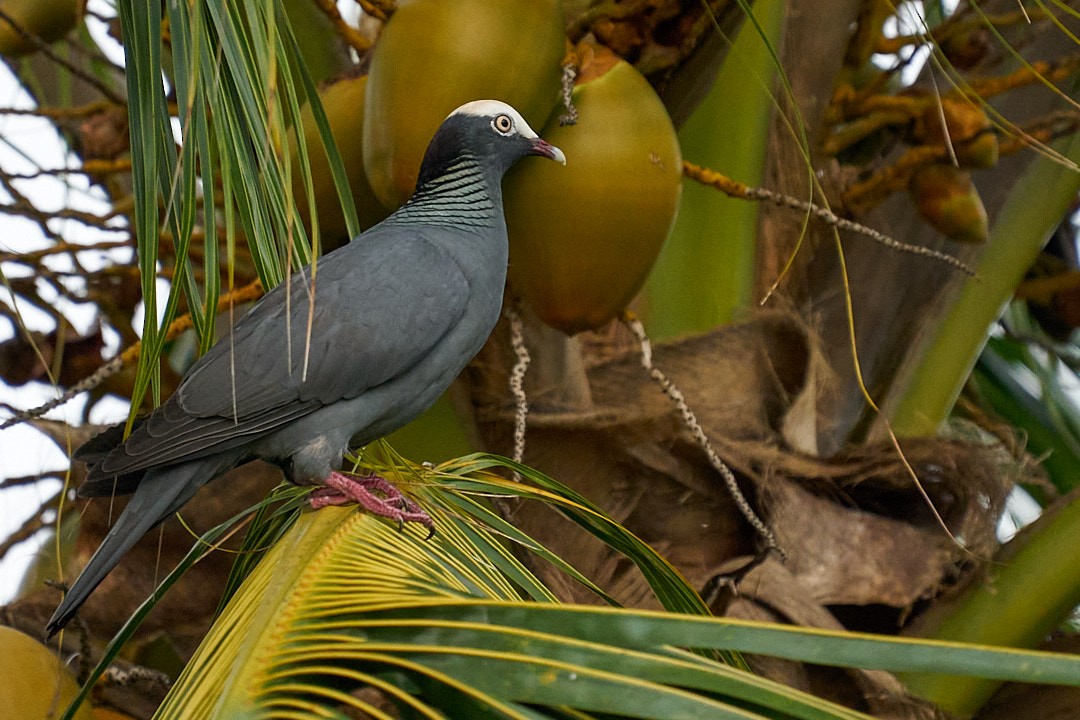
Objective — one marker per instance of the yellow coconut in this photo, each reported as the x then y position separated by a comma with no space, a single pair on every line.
584,237
33,681
434,55
967,129
945,196
343,101
49,20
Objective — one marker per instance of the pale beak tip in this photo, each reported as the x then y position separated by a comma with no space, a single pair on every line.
545,149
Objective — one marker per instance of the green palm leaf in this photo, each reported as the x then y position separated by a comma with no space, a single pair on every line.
346,600
239,81
441,628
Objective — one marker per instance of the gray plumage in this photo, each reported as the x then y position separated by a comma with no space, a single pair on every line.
397,315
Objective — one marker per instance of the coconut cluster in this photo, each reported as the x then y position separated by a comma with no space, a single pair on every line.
582,238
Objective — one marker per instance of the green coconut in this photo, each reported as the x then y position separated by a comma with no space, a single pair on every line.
434,55
343,102
947,199
49,20
584,237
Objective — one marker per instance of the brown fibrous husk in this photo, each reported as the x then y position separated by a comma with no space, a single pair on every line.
864,549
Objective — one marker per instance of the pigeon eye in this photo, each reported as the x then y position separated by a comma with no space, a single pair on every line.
502,124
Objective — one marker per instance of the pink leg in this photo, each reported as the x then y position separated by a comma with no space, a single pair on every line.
340,489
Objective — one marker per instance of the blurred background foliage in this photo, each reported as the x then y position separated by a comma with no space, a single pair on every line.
891,419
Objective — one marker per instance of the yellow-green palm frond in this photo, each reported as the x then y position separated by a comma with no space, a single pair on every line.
347,613
441,628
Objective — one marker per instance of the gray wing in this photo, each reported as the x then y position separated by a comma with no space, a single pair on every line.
381,304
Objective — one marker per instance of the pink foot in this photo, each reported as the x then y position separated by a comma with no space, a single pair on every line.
340,489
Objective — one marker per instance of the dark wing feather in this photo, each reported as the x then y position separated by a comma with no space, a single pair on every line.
381,304
96,448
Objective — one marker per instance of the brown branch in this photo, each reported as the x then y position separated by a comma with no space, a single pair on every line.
894,177
40,219
89,167
893,45
32,256
607,10
912,106
131,355
350,34
75,70
738,190
25,208
1037,72
378,9
24,480
868,192
854,115
78,112
32,525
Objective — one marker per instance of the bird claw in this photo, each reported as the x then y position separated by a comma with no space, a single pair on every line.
340,489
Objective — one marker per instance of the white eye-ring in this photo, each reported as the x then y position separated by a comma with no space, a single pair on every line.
503,124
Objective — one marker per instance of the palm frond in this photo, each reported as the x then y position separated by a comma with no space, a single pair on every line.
239,80
347,607
346,600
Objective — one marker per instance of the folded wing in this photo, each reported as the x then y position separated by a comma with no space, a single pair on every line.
368,313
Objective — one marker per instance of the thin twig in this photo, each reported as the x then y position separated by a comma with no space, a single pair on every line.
38,521
137,677
736,189
953,27
24,480
89,167
92,381
61,248
47,51
61,113
517,380
849,310
29,210
692,424
351,35
130,356
378,9
569,75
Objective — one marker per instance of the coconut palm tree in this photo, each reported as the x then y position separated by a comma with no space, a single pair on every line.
758,468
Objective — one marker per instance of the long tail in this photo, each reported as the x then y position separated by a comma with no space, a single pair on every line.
161,493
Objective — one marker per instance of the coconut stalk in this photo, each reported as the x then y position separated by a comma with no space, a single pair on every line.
1034,583
1021,230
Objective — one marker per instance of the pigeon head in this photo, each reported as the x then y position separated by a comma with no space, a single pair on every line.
488,132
